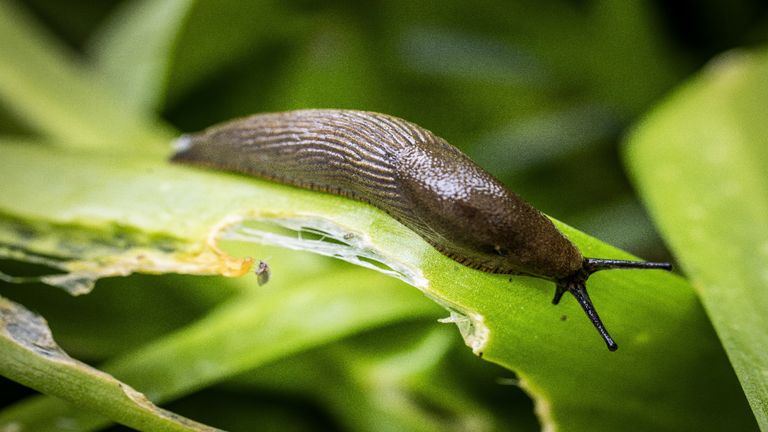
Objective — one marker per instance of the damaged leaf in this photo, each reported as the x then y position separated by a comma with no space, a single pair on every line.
31,357
255,328
667,344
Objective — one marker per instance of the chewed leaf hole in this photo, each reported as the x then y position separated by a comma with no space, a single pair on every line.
313,234
33,268
26,265
383,267
326,237
74,259
323,237
21,272
471,326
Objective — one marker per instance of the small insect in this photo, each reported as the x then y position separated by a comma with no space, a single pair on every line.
263,273
417,178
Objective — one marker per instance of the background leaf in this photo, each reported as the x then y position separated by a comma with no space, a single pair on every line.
252,329
700,161
54,93
31,357
132,52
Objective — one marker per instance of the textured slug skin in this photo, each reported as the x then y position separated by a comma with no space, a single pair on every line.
401,168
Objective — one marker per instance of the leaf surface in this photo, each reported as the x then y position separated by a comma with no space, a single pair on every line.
700,161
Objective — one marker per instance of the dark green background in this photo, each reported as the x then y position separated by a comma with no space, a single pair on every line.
538,92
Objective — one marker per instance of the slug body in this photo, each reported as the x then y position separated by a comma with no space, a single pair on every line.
414,176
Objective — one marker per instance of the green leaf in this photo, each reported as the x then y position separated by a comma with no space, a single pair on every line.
332,68
396,378
149,51
257,327
670,363
132,52
700,161
220,34
48,88
31,357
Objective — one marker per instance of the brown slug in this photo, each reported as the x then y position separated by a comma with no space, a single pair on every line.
417,178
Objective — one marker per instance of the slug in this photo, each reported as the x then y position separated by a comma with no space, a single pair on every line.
417,178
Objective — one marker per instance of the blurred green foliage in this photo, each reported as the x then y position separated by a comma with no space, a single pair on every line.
714,211
539,92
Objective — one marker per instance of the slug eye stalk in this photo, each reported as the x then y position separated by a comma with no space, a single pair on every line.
577,286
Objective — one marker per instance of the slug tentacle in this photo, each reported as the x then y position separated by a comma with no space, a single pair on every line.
579,290
416,177
576,284
596,264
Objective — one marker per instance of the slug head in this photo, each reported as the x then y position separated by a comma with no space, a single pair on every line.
576,284
475,219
